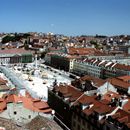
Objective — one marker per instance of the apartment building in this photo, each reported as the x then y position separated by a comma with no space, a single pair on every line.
87,66
100,68
12,56
80,111
60,61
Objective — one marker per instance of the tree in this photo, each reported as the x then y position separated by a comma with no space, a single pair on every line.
7,39
93,42
26,35
14,38
26,46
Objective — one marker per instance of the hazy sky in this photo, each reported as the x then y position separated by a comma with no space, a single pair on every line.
69,17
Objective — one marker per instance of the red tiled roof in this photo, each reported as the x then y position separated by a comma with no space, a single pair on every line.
97,82
122,67
103,109
14,51
116,115
29,103
122,116
119,83
86,99
126,107
109,95
82,51
13,99
123,120
3,105
128,125
104,101
88,112
69,91
125,78
40,105
98,107
36,105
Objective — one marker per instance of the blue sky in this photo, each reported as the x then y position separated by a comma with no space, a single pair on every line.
69,17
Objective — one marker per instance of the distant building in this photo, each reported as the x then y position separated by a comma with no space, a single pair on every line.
12,56
60,61
3,87
83,51
92,85
100,68
79,111
122,86
22,108
119,121
38,123
60,99
87,67
42,123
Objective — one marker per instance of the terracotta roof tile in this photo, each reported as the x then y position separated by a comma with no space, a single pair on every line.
119,83
110,95
98,107
123,120
103,109
116,115
128,125
125,78
122,67
83,51
86,99
126,107
69,91
88,112
28,102
104,101
122,116
36,105
3,105
14,51
97,82
40,105
13,98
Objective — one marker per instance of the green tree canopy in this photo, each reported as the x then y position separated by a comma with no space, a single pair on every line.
14,38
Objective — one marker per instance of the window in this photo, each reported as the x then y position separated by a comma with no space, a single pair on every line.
15,112
29,116
74,124
74,115
78,127
107,128
88,126
84,122
79,119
